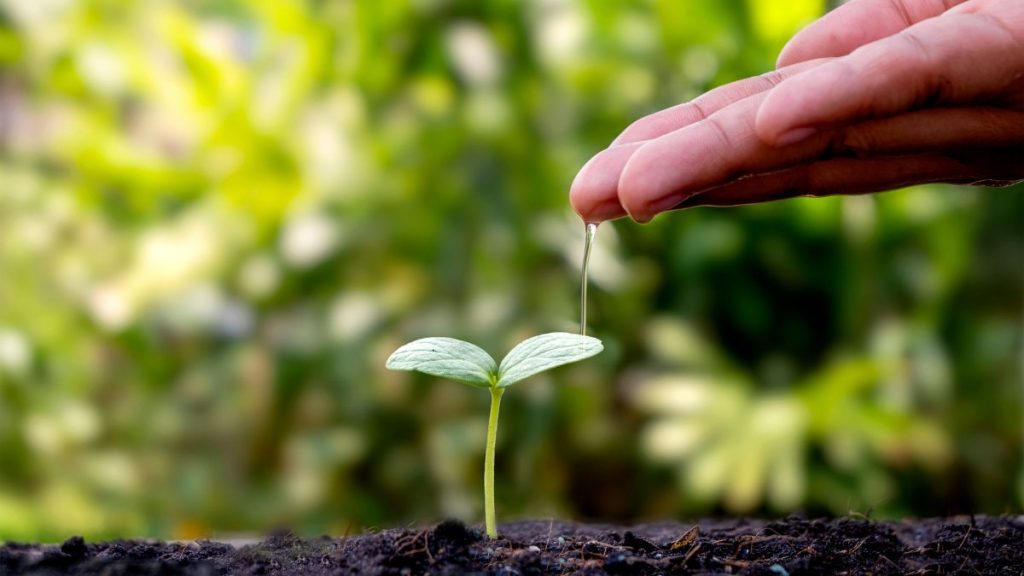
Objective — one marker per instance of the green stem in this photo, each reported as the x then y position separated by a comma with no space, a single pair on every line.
492,437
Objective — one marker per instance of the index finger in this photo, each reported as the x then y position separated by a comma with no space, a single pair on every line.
681,115
857,23
594,191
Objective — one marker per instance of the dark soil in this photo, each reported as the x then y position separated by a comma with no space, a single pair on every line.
976,545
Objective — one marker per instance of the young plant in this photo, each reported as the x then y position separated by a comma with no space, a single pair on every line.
467,363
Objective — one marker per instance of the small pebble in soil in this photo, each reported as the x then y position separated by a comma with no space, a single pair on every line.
455,534
637,543
533,549
74,547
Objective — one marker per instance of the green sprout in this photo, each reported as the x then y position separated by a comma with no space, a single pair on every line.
467,363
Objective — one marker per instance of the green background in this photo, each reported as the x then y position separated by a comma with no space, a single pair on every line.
217,219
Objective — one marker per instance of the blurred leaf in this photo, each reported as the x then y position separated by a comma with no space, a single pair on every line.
777,21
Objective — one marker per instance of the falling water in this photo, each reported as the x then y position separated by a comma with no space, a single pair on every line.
590,231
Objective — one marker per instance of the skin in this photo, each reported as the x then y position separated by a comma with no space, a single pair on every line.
876,95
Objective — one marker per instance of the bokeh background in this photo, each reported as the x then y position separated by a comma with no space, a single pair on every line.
218,218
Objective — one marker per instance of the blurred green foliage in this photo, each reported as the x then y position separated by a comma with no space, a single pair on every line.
217,219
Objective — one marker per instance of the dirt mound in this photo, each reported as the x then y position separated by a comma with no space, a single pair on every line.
793,546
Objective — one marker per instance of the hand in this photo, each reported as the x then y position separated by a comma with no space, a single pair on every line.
876,95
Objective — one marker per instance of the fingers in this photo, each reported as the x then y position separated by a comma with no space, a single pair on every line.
857,23
841,176
931,130
676,117
594,193
860,105
939,61
664,172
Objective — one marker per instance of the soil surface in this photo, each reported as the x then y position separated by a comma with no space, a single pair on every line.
969,545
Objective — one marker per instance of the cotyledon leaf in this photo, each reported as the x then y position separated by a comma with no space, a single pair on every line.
544,352
447,358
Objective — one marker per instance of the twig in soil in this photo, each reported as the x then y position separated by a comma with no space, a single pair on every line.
691,553
426,545
964,540
776,534
402,542
547,541
810,550
742,564
858,546
584,552
686,539
751,539
604,545
890,561
405,546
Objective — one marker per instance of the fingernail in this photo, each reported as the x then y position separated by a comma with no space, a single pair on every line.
795,135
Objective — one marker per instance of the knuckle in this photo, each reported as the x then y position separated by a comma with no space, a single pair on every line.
915,44
720,132
902,11
699,110
771,79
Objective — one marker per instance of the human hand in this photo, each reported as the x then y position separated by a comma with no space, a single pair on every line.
876,95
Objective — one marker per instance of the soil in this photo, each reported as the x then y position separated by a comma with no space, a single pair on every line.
969,545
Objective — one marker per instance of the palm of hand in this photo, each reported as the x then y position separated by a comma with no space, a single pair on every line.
876,95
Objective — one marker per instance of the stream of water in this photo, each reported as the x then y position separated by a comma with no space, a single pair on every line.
588,241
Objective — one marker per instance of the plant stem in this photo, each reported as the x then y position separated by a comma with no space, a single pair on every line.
492,437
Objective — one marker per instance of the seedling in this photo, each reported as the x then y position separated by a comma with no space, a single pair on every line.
469,364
